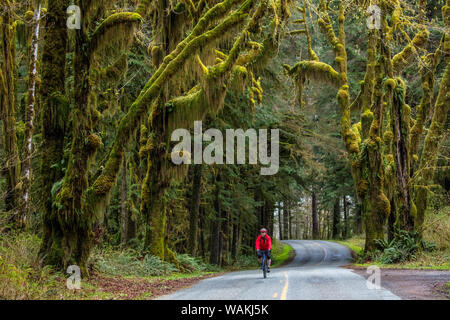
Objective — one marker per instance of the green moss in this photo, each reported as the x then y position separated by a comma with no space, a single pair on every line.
390,83
388,136
157,56
362,187
115,31
403,58
29,15
366,119
94,142
343,96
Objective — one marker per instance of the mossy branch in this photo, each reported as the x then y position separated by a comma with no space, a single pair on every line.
172,63
114,32
403,58
317,71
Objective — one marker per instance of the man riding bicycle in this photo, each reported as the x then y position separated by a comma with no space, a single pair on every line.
264,244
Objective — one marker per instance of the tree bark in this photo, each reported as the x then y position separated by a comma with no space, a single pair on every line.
359,220
280,224
202,233
214,253
235,243
336,219
391,222
315,217
29,117
291,236
194,210
345,226
54,113
286,220
124,209
11,163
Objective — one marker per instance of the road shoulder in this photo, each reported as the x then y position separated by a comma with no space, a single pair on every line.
412,284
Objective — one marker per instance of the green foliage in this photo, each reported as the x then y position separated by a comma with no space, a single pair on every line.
312,150
21,276
281,252
403,247
129,263
193,264
246,262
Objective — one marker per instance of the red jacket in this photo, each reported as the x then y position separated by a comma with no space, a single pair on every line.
263,243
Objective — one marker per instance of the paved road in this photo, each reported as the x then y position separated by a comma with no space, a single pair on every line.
313,274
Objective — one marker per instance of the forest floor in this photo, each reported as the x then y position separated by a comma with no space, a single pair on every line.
106,287
116,274
413,284
427,276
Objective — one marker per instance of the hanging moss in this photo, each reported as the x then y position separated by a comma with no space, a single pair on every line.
435,132
143,7
94,142
114,32
317,71
157,56
402,59
388,136
29,16
390,84
431,145
11,162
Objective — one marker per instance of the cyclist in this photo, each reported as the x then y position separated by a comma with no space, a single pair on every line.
264,244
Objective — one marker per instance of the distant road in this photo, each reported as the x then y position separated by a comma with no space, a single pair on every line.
314,273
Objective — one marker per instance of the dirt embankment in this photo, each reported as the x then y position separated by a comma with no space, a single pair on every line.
413,284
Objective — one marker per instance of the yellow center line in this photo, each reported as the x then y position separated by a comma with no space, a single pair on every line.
285,289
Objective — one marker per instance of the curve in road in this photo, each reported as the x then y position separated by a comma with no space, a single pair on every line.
314,273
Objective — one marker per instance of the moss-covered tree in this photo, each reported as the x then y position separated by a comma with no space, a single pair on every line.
11,164
385,116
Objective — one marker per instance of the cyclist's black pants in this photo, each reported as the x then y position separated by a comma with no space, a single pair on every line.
259,253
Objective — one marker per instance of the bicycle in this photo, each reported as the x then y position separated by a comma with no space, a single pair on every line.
264,265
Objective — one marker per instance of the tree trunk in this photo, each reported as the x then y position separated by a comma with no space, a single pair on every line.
268,216
29,117
225,243
202,232
432,140
11,163
214,256
391,222
401,145
280,225
345,226
315,217
235,243
55,110
291,236
124,209
194,210
336,219
359,220
286,220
